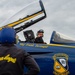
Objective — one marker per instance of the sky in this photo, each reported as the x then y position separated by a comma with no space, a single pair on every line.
60,16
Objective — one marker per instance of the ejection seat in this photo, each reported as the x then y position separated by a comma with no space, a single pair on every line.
29,36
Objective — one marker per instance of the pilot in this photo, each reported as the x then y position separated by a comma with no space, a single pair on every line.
39,38
12,58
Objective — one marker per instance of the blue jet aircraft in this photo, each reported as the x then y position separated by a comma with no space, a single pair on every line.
56,58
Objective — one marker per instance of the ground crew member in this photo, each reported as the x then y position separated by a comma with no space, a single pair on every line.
13,59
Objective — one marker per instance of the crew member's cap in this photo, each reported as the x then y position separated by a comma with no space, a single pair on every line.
7,35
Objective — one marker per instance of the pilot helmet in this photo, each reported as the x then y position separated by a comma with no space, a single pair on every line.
41,31
7,36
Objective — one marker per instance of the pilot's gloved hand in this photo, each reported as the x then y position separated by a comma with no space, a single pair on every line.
45,43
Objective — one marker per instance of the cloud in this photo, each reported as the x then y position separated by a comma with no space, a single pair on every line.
60,16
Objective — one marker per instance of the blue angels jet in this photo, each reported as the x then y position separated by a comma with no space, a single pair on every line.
56,58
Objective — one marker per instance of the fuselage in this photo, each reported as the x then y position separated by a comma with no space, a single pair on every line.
44,55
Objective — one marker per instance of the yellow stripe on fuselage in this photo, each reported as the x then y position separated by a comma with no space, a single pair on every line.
68,46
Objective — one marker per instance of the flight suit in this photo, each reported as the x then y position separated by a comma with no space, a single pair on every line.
13,59
38,40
